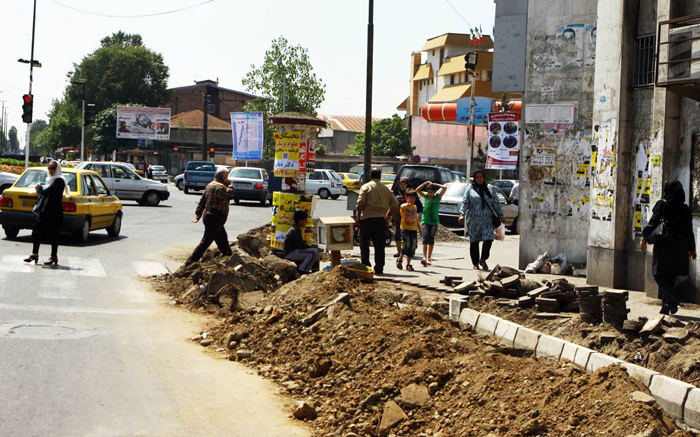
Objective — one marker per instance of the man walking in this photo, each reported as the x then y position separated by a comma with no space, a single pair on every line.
515,193
375,205
214,205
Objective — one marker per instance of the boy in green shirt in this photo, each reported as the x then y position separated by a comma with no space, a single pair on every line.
430,219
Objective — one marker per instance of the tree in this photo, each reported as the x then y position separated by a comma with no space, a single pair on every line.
13,141
37,127
389,138
286,80
63,129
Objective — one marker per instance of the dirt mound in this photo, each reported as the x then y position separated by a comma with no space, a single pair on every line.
366,363
444,235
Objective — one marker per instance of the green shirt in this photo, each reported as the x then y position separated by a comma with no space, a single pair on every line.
430,211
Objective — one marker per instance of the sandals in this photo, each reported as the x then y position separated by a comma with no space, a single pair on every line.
399,265
396,255
424,262
483,265
477,267
409,267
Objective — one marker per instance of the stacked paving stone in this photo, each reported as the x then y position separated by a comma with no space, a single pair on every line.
615,307
590,303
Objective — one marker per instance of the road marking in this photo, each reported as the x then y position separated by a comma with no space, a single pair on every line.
15,264
82,310
149,268
86,267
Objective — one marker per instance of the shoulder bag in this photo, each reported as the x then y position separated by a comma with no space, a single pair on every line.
663,232
40,205
495,221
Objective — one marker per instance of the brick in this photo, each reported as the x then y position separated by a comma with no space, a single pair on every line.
487,324
469,316
550,347
457,304
641,374
671,394
526,339
505,332
569,351
691,409
583,354
598,360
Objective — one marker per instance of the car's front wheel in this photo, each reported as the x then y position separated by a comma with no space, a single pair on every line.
180,184
187,190
116,227
335,196
345,191
11,233
263,201
82,234
236,201
324,193
152,198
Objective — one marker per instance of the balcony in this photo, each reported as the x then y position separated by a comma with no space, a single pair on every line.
678,56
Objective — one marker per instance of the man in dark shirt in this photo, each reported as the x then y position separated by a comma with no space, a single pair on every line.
296,249
214,206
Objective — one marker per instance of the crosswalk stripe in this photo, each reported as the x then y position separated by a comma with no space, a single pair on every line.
86,267
149,268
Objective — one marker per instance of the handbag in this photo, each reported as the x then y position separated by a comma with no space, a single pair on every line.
495,221
40,205
663,232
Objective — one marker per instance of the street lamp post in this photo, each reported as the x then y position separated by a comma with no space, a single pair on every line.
31,79
82,122
470,61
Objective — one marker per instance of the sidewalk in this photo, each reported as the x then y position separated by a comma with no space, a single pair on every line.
452,259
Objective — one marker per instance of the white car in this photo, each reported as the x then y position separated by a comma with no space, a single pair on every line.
6,180
127,185
325,183
451,203
159,173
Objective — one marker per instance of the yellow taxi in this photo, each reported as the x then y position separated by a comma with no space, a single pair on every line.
351,182
91,206
388,179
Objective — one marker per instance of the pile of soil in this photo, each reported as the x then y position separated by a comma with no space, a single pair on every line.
371,360
444,235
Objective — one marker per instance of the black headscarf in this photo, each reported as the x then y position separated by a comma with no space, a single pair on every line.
482,189
674,192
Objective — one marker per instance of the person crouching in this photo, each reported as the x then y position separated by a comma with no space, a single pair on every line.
296,249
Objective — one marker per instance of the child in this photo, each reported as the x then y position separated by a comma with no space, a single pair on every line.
296,249
409,229
430,219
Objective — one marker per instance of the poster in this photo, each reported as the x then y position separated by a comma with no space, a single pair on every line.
248,135
570,40
543,157
307,156
504,141
482,107
287,145
284,205
560,113
135,122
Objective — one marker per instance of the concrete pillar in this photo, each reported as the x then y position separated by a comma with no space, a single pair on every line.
611,215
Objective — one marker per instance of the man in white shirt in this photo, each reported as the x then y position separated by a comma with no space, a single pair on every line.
515,193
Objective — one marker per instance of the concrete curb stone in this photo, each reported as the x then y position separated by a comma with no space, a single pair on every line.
598,360
583,354
569,351
670,393
691,409
526,338
487,324
506,331
469,316
641,374
550,347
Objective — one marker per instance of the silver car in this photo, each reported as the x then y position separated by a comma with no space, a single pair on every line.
159,173
127,184
451,203
6,180
250,183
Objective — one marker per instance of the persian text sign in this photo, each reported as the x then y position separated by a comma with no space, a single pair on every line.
287,145
504,141
139,122
307,156
248,135
482,107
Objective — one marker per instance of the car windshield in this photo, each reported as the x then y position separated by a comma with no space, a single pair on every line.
335,176
388,177
131,166
158,168
242,172
32,177
352,176
455,190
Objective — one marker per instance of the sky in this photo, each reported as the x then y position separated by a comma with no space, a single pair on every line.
220,39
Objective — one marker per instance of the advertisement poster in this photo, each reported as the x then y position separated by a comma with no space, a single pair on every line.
287,145
307,156
138,123
482,107
284,205
504,141
248,135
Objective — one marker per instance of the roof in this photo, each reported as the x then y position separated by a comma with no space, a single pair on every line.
403,106
349,123
454,92
455,64
212,84
456,39
194,120
425,71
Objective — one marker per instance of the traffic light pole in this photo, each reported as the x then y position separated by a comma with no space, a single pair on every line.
82,131
31,79
368,97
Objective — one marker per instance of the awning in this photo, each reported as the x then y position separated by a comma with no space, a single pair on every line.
452,65
451,93
447,112
425,71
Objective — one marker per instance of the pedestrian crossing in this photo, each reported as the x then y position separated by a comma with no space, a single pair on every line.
71,269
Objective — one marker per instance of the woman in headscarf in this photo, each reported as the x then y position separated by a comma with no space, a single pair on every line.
478,206
50,216
670,258
400,193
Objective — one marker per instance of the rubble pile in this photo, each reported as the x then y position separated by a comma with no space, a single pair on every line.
444,235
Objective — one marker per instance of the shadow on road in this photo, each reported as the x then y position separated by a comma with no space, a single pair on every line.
68,240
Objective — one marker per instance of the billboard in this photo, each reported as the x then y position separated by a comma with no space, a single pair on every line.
248,135
482,107
140,122
504,141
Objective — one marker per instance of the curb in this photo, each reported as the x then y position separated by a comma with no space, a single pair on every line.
679,399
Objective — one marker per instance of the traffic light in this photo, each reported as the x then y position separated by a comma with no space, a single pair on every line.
90,113
470,60
212,150
27,107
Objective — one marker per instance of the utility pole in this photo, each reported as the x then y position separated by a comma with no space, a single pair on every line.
31,79
368,98
470,152
2,128
205,126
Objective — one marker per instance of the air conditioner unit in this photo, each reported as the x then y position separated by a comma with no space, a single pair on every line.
680,47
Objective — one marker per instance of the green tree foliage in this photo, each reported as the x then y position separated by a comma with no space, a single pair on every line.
389,138
63,129
286,80
13,141
37,127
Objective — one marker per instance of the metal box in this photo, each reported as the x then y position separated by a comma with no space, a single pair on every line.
335,233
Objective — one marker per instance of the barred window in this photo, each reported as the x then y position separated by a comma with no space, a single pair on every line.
643,71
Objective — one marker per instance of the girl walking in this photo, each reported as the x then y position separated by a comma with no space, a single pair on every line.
430,219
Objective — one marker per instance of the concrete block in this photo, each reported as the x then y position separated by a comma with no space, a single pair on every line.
469,316
691,409
505,332
598,360
569,351
583,354
457,304
487,324
671,394
549,347
526,339
641,374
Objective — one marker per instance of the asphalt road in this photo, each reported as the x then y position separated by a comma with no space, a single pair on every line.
87,349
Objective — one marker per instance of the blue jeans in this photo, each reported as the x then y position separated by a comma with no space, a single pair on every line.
409,242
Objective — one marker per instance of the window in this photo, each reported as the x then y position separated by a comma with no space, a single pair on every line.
490,76
122,173
101,188
324,175
452,79
643,69
88,187
501,198
446,176
101,169
315,176
247,173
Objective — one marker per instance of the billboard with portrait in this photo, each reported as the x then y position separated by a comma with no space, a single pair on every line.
140,122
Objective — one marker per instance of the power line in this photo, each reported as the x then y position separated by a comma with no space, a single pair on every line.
460,15
131,16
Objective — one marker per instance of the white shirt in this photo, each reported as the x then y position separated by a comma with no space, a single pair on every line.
515,192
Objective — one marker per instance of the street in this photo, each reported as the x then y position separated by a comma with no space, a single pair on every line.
87,349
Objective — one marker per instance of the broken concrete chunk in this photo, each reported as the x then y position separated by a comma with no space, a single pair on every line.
392,416
243,354
679,335
642,397
303,410
414,395
538,291
287,270
632,325
652,326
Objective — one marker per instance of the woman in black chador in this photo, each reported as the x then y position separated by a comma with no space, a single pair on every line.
671,257
50,213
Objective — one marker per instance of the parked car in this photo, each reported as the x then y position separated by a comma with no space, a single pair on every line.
388,179
459,176
179,181
198,174
418,174
6,180
505,185
91,205
351,182
325,183
128,185
451,203
250,183
159,173
136,170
